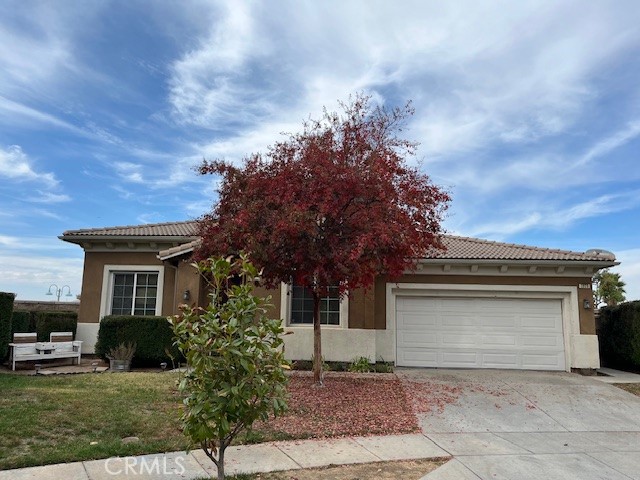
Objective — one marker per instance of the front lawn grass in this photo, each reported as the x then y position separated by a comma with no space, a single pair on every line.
54,419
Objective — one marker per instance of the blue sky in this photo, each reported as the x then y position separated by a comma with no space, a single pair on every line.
529,112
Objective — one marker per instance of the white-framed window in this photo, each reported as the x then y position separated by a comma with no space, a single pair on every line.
297,307
132,290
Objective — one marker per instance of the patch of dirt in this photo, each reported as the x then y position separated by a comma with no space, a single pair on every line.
629,387
408,469
347,405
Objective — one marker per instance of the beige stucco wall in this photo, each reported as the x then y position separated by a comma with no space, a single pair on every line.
92,276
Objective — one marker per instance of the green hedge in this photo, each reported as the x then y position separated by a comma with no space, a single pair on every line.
152,336
619,336
43,323
6,311
22,322
47,322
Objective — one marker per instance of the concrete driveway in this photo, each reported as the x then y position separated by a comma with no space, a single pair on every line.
518,425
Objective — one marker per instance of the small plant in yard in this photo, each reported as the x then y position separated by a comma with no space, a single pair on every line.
124,351
383,367
361,365
120,357
236,371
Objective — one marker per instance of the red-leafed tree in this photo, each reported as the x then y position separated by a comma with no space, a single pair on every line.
336,204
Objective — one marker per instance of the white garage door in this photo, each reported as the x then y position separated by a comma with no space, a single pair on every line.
479,333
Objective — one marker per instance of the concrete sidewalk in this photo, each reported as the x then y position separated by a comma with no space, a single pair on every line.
265,457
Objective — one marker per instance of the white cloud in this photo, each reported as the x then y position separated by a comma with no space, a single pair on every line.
612,142
14,112
151,217
130,172
554,216
479,73
29,271
16,165
31,274
204,84
49,197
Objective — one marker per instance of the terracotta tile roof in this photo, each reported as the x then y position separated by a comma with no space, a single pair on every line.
458,248
466,248
168,229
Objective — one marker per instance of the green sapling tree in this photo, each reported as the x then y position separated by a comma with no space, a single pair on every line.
236,365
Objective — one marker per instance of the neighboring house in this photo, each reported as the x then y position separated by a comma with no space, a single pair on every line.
479,304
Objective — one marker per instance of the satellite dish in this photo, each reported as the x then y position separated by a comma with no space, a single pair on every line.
601,252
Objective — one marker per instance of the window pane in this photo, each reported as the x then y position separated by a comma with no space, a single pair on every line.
302,306
297,304
144,297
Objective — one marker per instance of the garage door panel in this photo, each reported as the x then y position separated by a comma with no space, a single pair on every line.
416,304
499,360
459,359
540,322
499,340
542,341
417,338
541,362
456,320
499,321
410,319
458,340
480,332
455,304
419,358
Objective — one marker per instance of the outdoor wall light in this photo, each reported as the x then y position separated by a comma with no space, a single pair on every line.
186,295
585,304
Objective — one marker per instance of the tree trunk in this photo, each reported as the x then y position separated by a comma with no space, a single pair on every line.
221,463
317,345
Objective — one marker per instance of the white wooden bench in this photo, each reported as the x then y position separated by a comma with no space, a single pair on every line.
60,345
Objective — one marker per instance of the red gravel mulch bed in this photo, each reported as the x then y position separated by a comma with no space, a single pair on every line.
347,405
430,397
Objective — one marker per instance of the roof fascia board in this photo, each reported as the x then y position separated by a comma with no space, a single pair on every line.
175,254
540,263
127,238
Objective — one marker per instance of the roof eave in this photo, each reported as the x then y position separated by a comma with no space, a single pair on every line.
80,239
604,263
175,254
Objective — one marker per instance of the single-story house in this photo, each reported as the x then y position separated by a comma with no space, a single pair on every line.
479,304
